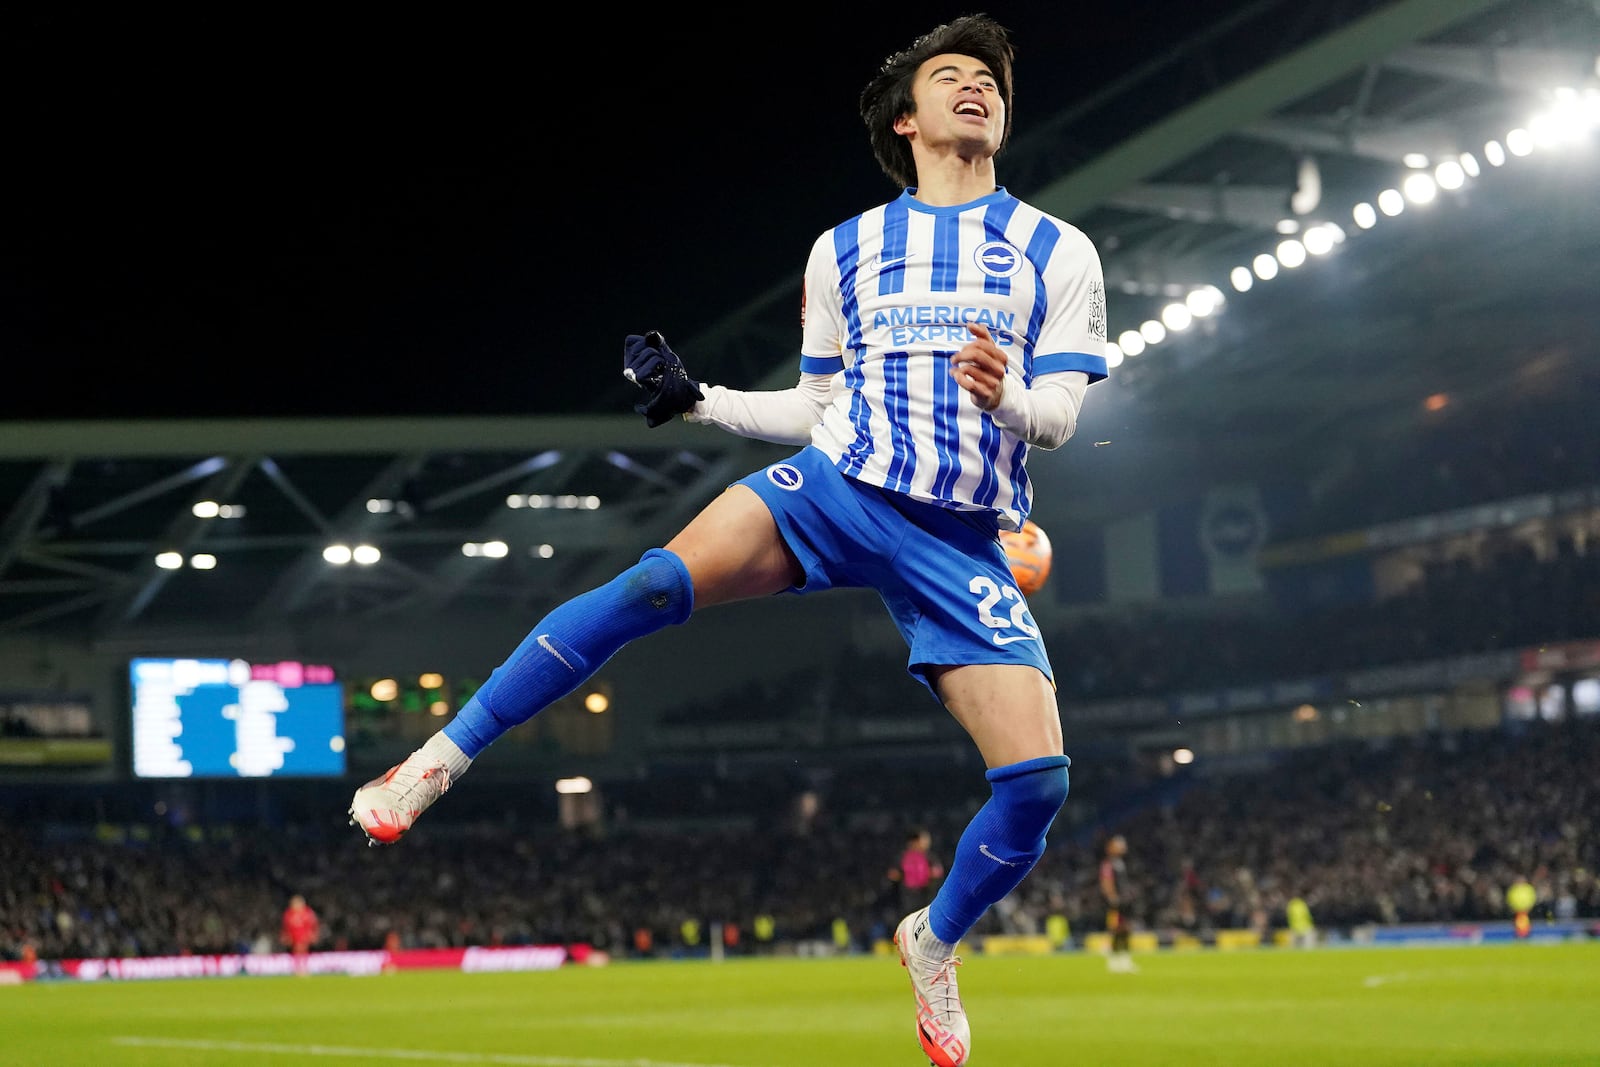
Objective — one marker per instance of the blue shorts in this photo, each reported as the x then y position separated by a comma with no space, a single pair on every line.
941,572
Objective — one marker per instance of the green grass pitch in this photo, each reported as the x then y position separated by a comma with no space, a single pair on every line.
1528,1005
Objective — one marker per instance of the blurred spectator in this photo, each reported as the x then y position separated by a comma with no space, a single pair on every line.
301,928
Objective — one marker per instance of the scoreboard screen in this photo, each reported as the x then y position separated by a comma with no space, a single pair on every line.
229,718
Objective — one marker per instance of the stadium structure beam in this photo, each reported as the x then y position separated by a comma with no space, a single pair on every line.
1251,99
125,438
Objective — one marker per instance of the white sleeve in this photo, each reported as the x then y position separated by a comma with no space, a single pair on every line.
1046,415
782,416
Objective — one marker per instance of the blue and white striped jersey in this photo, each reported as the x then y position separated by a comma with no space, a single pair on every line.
888,295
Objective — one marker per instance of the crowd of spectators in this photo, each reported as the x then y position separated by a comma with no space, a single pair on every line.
1432,829
1494,454
1429,829
1511,600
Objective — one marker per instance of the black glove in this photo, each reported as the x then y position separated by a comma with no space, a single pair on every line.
648,363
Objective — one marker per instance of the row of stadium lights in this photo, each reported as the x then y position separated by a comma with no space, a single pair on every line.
1573,116
340,554
385,690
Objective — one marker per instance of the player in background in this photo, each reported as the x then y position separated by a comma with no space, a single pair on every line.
1520,900
300,929
946,334
1302,927
1114,892
916,871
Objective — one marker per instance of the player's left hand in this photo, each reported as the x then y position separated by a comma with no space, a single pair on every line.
980,367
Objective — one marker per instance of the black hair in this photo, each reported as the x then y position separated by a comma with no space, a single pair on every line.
888,95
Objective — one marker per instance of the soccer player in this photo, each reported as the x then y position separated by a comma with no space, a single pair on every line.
1302,928
946,333
917,871
1114,891
1521,898
300,930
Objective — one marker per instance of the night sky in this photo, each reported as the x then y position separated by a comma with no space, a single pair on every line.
440,212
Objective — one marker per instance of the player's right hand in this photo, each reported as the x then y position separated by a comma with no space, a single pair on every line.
651,364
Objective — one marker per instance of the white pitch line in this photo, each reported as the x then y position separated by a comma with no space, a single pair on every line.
397,1053
1376,980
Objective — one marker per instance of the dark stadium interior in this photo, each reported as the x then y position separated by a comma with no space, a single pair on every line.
1384,664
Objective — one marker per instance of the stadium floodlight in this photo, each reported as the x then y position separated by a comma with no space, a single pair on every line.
1204,300
203,561
1568,119
336,554
1319,240
574,785
169,561
1420,188
1573,113
365,555
544,551
1114,355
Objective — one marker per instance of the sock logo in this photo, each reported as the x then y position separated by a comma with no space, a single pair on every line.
544,643
985,850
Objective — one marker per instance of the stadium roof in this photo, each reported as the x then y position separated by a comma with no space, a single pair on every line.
1181,172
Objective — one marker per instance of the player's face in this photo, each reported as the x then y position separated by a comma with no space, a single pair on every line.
958,104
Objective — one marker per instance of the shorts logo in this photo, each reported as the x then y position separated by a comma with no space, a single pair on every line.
785,476
998,259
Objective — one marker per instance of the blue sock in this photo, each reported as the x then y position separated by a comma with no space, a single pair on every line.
571,643
1001,843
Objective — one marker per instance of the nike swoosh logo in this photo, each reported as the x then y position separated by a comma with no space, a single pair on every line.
886,262
1001,639
544,643
985,850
